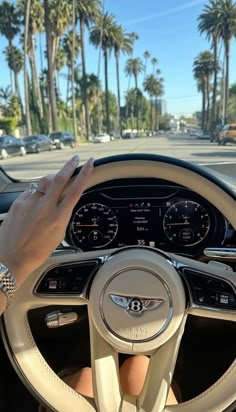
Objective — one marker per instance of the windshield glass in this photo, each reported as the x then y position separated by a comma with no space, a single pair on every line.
30,138
157,78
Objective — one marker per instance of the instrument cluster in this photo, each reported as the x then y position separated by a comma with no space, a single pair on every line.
165,216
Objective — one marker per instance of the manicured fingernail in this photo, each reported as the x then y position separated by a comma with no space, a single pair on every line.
90,162
76,158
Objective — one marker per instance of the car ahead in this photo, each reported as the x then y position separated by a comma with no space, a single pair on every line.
11,146
204,135
227,134
62,139
37,143
102,138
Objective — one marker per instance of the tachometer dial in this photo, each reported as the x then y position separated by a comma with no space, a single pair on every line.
186,223
94,225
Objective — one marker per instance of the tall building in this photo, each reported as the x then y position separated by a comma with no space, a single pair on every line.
161,107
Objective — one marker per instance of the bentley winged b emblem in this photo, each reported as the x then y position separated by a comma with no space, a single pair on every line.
135,306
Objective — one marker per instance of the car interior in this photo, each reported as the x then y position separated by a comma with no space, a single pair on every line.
125,227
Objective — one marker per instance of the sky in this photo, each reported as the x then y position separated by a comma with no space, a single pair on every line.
168,30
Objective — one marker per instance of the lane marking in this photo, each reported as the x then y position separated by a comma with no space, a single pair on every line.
137,147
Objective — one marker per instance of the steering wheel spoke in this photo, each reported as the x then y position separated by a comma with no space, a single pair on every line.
159,376
105,370
211,288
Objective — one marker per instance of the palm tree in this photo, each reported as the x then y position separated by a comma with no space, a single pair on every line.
149,87
36,19
134,37
9,23
122,43
71,52
72,68
57,17
158,91
26,82
154,62
203,69
208,24
5,95
130,105
103,35
226,29
134,67
14,58
146,56
60,63
87,11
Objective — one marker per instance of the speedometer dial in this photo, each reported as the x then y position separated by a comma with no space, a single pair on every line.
94,225
186,223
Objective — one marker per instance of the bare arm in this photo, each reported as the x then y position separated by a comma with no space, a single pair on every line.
36,223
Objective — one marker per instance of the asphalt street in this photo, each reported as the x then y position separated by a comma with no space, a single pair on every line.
181,146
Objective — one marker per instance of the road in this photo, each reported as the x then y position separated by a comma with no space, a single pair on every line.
182,146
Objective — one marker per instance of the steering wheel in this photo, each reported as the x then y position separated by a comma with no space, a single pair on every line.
138,303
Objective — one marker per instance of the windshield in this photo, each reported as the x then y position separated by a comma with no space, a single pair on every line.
158,77
30,138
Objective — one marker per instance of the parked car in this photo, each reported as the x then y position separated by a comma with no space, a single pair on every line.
62,139
10,146
128,135
38,143
102,138
114,135
227,134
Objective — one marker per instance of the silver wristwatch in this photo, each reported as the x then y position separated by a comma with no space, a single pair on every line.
7,283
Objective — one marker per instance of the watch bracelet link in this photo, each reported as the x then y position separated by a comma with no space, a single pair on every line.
7,283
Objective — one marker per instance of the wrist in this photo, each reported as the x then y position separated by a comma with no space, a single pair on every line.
7,283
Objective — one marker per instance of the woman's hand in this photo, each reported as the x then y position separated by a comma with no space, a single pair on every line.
36,223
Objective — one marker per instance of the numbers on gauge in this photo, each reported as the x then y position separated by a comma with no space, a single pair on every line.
186,223
94,225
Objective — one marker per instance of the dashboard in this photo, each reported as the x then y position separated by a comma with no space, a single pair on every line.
146,212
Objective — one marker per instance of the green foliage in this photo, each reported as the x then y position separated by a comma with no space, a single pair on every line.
164,122
8,124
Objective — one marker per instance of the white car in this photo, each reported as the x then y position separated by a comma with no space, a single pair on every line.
102,138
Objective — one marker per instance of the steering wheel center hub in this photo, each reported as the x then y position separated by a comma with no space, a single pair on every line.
136,305
137,300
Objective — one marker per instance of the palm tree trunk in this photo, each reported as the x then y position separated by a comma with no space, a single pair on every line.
151,114
41,52
27,109
208,102
137,102
17,91
67,89
84,80
203,104
107,92
50,71
156,113
73,74
227,51
118,94
213,114
35,83
58,83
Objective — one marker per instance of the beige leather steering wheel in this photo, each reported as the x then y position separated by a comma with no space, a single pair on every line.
149,277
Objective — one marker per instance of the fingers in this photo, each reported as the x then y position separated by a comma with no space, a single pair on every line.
43,186
61,179
77,187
